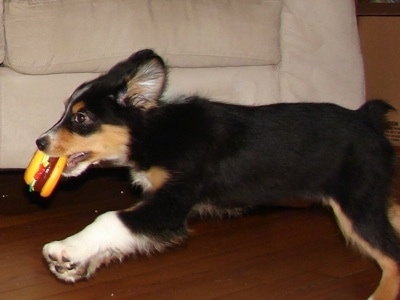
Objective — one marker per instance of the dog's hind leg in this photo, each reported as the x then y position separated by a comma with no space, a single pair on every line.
389,286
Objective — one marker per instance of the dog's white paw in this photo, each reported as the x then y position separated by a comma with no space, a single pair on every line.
78,256
68,262
106,239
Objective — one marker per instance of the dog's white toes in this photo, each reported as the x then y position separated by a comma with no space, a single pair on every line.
64,261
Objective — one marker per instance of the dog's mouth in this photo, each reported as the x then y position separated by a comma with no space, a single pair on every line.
74,159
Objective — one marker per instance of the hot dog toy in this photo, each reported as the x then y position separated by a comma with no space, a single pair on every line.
43,173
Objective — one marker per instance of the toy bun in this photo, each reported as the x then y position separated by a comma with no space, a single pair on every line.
43,173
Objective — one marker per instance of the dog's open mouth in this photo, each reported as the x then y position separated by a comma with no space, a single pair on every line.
75,159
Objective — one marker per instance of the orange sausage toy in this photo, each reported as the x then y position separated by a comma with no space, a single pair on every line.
44,172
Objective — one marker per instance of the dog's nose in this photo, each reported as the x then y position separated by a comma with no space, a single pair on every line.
42,143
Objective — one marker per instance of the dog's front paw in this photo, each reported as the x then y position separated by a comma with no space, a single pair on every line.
66,261
80,255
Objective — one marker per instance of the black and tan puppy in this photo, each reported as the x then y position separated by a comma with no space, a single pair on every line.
192,155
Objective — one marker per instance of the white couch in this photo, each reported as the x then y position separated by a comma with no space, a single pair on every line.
243,51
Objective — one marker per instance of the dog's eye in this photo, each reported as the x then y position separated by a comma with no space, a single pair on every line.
80,117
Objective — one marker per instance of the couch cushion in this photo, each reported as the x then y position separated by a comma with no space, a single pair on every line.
321,56
250,85
56,36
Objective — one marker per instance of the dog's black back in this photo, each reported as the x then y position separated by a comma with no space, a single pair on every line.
258,154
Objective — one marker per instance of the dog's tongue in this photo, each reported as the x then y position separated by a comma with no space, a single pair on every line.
76,158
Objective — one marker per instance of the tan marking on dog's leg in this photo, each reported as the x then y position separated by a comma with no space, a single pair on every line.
157,177
388,288
152,179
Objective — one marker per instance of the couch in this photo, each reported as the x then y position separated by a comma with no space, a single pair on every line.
250,52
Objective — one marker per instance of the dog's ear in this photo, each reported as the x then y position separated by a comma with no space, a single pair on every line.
144,78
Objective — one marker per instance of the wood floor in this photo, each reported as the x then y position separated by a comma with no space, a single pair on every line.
273,254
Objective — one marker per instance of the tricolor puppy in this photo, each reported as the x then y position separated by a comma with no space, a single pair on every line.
191,155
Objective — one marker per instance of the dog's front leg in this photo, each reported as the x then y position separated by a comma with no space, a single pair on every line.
79,255
150,226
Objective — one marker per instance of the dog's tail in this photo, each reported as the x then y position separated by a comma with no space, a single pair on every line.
376,111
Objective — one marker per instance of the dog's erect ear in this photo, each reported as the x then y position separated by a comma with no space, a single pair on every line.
144,75
145,88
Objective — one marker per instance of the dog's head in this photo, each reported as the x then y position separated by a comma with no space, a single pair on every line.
100,114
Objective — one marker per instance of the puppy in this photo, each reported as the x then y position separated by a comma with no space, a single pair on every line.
190,155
